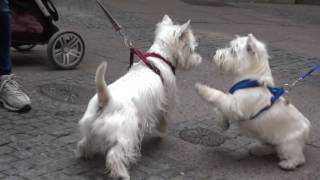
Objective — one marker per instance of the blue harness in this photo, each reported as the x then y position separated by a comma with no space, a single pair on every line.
275,91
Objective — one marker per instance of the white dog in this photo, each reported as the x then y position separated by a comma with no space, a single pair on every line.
119,114
280,127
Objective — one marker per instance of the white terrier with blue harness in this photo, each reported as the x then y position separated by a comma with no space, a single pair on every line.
256,104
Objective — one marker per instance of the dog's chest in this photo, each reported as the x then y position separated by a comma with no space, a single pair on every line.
252,100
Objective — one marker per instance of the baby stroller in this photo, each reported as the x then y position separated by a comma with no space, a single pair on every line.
32,24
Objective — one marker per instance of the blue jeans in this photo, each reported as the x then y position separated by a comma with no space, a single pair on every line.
5,38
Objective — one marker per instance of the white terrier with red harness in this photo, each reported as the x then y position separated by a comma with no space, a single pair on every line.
256,105
118,116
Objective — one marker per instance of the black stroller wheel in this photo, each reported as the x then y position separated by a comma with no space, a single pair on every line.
66,50
24,47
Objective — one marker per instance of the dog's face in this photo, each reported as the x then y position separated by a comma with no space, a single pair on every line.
181,42
244,54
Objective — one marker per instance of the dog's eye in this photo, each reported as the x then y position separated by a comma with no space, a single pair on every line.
233,51
221,56
249,48
99,109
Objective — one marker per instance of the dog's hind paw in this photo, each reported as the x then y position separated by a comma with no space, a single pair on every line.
223,124
120,177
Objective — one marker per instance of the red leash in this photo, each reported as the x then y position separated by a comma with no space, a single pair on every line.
134,51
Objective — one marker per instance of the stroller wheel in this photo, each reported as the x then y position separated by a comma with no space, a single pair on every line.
24,47
65,50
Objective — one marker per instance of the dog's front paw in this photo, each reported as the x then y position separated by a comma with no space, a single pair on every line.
83,151
208,94
288,164
203,91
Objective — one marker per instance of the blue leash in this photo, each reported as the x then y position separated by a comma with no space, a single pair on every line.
316,68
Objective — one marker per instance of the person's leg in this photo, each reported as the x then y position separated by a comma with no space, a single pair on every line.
5,41
11,96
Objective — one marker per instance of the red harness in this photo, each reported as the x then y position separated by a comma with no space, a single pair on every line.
143,56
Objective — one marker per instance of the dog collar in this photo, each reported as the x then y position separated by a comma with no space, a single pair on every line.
275,91
143,57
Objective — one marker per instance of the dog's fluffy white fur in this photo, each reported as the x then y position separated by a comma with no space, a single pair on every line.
119,114
282,128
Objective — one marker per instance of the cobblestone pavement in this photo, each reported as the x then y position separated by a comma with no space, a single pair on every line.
40,145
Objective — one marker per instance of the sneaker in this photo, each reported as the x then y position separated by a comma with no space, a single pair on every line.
12,96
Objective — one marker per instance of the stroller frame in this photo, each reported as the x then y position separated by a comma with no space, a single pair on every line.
65,49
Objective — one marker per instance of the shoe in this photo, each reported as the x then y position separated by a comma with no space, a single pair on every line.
11,96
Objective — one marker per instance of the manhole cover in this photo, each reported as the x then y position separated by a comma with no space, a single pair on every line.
202,136
67,93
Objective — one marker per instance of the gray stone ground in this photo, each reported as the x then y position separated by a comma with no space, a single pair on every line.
40,145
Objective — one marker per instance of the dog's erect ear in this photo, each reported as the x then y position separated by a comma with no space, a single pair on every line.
184,27
251,44
166,20
101,85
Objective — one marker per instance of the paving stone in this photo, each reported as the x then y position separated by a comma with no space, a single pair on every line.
155,178
170,173
137,175
4,166
13,178
150,166
23,154
11,172
2,175
6,158
23,165
4,141
5,150
182,177
57,175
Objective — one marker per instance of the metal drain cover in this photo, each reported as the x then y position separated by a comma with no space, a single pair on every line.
202,136
67,93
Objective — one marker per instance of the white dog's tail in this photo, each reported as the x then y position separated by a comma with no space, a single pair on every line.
101,85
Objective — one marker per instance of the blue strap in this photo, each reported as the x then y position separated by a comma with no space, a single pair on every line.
275,91
244,84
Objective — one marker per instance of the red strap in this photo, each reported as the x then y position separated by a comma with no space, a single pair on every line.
160,57
143,56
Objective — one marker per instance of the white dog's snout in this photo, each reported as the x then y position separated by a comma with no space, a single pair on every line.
218,56
198,59
215,56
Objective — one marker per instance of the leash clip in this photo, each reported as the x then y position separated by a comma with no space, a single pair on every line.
127,42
